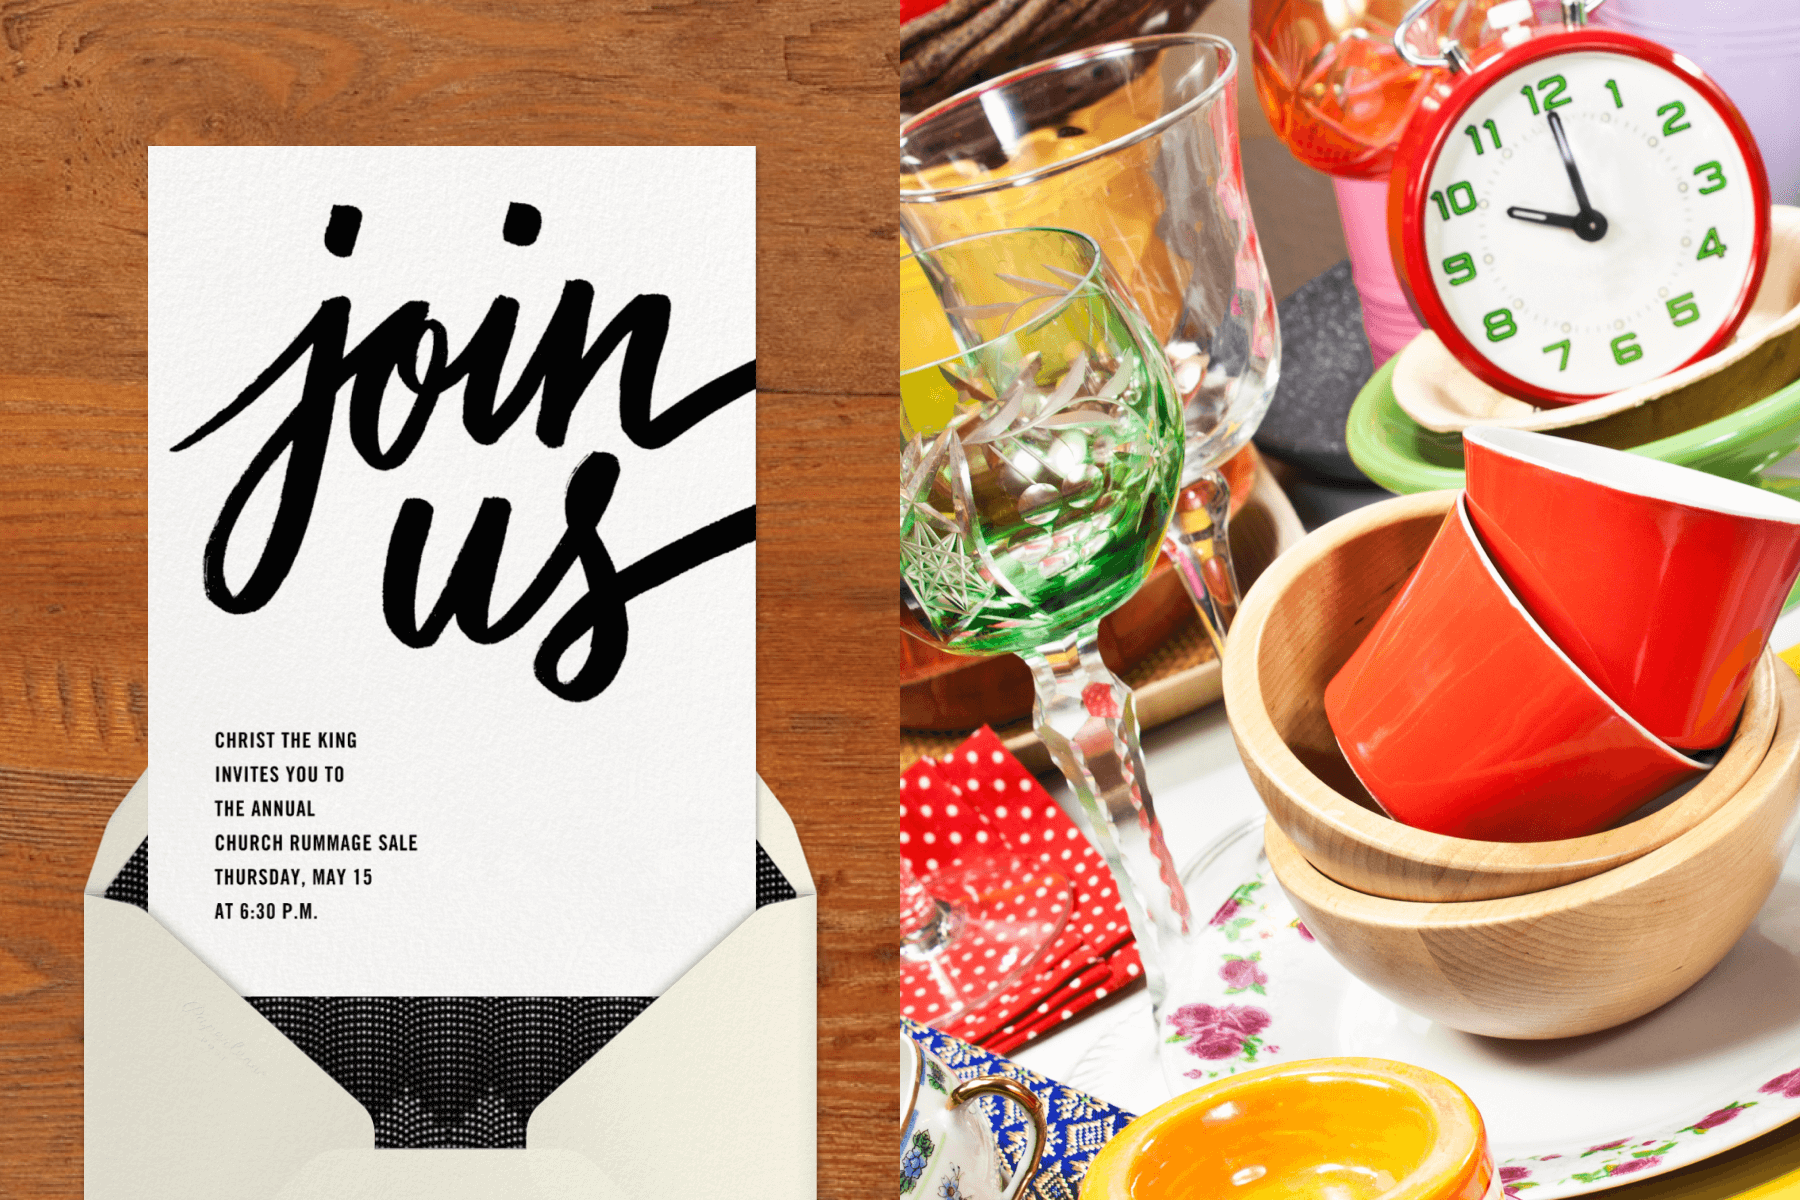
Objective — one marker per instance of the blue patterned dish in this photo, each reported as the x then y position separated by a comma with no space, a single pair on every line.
1076,1124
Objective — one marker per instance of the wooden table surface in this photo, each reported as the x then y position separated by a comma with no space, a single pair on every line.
86,85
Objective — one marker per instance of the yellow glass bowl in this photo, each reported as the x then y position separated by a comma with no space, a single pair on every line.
1344,1128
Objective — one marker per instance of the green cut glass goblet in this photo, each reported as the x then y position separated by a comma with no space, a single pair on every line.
1041,445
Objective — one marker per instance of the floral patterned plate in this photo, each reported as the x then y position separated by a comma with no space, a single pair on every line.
1711,1069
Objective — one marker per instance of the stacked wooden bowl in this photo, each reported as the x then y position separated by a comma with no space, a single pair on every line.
1521,940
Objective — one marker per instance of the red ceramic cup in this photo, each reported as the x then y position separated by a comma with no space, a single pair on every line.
1461,717
1661,583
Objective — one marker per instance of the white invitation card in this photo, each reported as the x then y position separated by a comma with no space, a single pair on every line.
452,582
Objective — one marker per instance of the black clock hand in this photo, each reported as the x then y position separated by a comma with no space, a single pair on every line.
1562,147
1538,216
1589,225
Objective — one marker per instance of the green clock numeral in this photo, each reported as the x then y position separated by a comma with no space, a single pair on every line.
1715,175
1460,201
1499,324
1711,246
1683,310
1676,110
1475,135
1564,347
1614,88
1625,349
1460,268
1553,97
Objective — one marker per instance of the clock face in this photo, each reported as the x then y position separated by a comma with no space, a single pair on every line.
1590,222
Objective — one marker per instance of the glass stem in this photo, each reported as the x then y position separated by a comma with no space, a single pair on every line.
1086,718
925,922
1197,545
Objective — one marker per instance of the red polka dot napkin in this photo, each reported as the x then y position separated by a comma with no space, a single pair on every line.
976,802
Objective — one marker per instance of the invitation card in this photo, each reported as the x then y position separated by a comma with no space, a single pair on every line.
452,577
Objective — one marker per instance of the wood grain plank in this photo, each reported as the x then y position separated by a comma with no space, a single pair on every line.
72,575
49,825
87,85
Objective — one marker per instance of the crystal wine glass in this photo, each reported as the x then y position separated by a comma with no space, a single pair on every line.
1134,144
1041,445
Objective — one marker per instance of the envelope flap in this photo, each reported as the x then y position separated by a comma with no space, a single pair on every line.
776,834
189,1092
712,1090
125,832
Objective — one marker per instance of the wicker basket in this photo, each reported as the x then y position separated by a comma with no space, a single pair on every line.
963,42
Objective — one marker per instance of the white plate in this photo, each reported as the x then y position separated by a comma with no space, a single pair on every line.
1711,1069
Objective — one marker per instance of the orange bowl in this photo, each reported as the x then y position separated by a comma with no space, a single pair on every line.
1350,1128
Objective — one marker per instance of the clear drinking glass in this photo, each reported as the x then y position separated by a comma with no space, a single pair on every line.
1134,144
1041,445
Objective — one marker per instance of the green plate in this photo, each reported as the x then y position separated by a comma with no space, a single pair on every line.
1403,456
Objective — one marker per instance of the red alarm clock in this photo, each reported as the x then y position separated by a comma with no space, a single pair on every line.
1580,213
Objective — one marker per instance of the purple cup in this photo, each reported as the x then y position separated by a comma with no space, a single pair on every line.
1751,48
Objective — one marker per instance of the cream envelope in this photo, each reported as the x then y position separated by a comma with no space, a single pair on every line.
711,1091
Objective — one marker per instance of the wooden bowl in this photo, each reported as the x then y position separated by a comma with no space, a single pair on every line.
1582,957
1300,623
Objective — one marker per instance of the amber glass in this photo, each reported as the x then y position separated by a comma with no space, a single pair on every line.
1333,86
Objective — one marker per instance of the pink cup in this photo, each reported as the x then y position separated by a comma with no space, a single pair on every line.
1388,317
